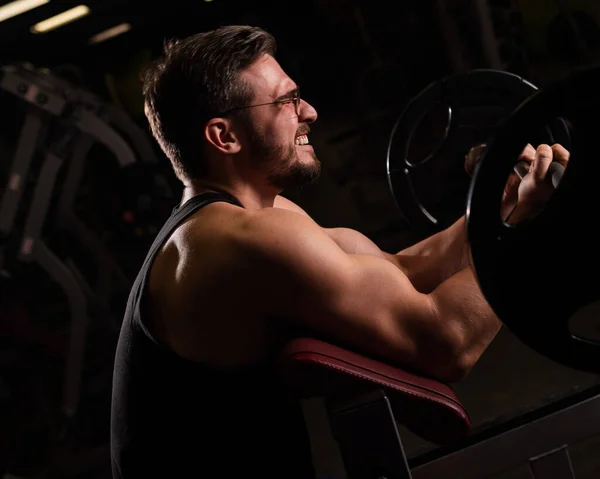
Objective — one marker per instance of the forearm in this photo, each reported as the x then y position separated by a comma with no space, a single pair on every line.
465,313
430,262
426,263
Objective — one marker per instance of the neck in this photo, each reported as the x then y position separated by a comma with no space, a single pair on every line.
250,198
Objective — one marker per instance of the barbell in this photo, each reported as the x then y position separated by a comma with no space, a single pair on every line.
540,275
427,146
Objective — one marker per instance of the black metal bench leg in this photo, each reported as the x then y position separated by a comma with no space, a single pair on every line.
555,464
368,437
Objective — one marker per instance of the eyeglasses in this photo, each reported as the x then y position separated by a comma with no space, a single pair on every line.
293,99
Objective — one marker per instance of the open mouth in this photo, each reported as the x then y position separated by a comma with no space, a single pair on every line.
302,140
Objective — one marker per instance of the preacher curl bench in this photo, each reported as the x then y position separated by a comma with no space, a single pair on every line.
366,400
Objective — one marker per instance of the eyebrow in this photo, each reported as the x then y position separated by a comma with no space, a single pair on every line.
290,94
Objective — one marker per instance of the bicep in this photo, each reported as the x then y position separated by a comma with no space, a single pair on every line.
349,240
354,242
302,276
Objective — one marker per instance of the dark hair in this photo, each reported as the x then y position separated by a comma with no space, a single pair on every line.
194,80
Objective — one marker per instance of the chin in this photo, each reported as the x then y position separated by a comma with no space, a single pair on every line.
303,173
307,154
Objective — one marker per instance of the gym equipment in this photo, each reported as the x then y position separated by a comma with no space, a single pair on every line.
558,273
141,200
63,122
366,399
429,141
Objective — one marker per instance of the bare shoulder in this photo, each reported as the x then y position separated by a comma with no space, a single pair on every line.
282,202
270,250
278,235
219,264
231,245
195,249
230,226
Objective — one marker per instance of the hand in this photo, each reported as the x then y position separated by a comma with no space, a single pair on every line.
473,157
510,195
523,198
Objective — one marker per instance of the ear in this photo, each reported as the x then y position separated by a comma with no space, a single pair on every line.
219,133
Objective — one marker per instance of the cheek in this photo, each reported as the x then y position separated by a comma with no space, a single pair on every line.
281,130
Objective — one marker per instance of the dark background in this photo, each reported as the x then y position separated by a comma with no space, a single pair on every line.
358,62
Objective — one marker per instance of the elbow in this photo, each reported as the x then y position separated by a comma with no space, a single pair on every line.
460,353
454,370
453,361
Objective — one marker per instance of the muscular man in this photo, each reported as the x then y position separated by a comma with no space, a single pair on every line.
238,269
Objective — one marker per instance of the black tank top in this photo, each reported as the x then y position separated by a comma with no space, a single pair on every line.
174,418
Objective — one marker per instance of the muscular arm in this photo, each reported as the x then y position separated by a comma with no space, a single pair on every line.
299,274
426,264
351,241
434,259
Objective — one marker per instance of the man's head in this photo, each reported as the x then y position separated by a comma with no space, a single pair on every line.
222,94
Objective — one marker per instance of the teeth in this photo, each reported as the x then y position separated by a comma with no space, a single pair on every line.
302,140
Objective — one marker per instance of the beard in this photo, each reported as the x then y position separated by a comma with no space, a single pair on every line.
281,163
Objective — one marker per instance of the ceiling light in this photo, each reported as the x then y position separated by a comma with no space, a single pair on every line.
61,19
110,33
18,7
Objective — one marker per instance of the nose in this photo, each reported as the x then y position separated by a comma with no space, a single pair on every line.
308,114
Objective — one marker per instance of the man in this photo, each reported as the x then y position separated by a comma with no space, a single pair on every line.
238,270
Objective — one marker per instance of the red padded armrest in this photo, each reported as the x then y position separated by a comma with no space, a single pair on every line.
430,409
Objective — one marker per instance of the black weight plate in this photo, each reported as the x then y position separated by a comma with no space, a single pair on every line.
541,275
428,144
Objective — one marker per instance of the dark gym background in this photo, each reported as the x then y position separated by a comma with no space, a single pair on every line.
358,62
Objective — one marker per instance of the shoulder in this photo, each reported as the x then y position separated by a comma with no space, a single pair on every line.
275,232
226,235
226,223
282,202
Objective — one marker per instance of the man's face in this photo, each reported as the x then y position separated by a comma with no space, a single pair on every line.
276,137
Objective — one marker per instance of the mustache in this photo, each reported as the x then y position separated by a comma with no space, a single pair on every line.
303,129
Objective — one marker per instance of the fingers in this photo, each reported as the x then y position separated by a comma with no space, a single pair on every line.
541,162
560,154
525,160
543,158
528,153
539,159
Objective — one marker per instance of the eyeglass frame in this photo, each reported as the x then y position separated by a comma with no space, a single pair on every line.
296,99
